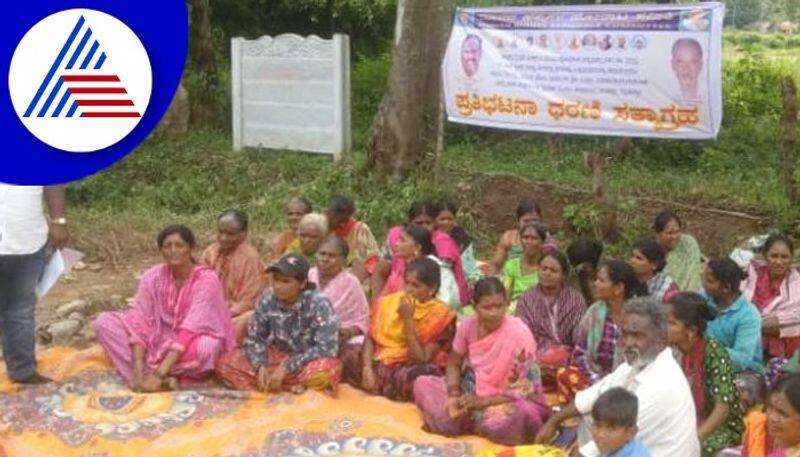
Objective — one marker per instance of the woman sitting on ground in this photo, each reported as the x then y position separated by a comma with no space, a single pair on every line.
738,324
311,230
238,266
552,311
296,208
413,243
491,387
709,371
584,257
422,214
648,260
363,248
783,417
179,323
446,222
344,291
293,338
596,352
510,245
684,260
522,273
773,285
410,335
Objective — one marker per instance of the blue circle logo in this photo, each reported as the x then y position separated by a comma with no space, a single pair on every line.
86,84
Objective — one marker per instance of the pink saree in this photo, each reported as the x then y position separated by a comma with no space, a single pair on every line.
446,250
348,299
193,320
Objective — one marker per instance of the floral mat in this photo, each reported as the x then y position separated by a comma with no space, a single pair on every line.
89,412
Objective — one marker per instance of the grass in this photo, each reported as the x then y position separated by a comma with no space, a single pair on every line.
192,180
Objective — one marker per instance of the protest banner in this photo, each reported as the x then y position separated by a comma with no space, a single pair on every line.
616,70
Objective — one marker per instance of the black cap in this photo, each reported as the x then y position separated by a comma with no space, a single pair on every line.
291,265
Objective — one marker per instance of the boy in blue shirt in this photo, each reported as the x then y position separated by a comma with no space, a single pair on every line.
614,429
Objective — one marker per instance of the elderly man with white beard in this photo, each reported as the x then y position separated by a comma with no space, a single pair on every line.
666,419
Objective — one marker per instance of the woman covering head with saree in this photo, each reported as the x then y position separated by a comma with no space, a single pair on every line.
491,387
422,214
179,323
238,266
709,371
446,222
596,352
410,335
684,260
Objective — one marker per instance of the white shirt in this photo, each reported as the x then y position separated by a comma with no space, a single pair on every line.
23,228
667,423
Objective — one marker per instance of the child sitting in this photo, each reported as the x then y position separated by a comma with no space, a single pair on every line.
614,429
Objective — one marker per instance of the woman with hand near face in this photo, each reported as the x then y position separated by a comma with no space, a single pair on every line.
492,386
773,285
179,323
410,335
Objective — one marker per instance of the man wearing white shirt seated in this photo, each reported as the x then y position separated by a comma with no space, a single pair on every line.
667,424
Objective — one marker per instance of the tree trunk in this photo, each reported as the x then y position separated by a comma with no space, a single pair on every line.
597,163
405,129
202,100
788,139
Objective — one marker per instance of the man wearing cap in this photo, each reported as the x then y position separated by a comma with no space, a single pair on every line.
292,339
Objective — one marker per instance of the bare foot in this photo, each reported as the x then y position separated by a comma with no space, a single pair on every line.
171,383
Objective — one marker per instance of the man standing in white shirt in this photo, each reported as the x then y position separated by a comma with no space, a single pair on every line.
26,240
667,424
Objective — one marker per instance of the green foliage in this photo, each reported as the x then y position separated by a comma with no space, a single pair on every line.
583,219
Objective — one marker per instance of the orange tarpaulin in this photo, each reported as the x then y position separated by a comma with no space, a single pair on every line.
88,412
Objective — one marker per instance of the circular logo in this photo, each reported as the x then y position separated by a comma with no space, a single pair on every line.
80,80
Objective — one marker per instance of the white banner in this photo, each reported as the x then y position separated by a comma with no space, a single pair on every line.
617,70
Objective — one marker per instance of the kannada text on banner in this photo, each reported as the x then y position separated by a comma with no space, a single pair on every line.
642,71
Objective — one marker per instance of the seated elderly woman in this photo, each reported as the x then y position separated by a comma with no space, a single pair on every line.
344,291
410,335
238,266
492,385
311,230
363,248
296,208
179,323
293,338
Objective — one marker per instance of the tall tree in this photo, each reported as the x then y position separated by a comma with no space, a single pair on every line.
405,129
203,63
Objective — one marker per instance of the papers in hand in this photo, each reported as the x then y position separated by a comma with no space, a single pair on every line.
59,263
